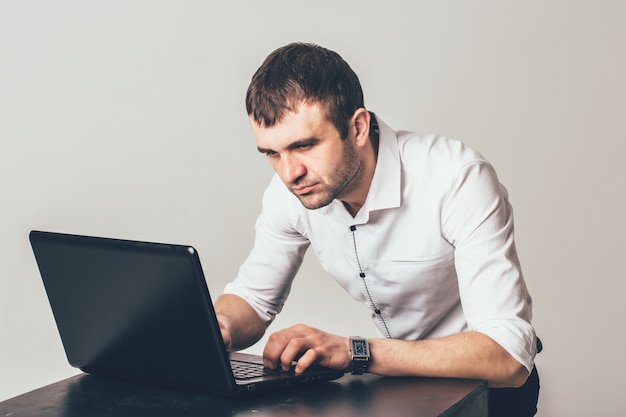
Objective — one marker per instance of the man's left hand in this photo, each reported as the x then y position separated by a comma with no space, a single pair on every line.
306,345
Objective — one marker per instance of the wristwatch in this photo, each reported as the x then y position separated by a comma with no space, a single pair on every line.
360,354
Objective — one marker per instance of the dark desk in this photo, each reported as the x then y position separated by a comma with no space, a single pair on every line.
370,395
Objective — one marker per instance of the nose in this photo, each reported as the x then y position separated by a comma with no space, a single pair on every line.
291,169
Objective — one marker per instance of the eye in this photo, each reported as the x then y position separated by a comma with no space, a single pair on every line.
271,154
303,146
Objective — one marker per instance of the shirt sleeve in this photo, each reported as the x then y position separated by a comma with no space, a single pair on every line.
264,279
478,220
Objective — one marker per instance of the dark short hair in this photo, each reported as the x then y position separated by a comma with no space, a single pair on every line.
304,72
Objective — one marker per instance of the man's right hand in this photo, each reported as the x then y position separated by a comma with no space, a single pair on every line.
228,341
239,323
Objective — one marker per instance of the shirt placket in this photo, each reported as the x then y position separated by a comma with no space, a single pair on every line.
366,283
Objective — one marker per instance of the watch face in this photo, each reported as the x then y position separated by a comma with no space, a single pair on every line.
359,348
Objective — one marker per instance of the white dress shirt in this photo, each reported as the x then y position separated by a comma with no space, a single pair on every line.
431,252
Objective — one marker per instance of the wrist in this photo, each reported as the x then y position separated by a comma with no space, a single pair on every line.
224,326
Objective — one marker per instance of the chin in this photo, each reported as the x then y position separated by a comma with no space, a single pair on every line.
314,203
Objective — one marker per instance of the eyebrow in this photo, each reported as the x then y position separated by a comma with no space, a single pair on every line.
293,145
263,150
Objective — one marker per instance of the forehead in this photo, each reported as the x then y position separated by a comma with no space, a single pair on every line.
307,121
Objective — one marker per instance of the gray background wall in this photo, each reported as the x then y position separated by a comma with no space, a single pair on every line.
126,119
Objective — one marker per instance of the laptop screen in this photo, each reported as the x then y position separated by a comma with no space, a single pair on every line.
133,310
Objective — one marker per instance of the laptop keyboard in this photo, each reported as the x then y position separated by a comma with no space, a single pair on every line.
248,370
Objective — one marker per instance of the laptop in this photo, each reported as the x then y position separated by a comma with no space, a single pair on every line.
142,312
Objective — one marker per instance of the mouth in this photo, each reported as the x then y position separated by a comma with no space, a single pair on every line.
303,190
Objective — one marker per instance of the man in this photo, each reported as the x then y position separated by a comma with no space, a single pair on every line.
418,228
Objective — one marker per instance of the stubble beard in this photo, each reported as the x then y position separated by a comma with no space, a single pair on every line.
348,175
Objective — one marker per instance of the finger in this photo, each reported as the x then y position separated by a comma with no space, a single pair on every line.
285,346
308,358
228,341
274,348
293,351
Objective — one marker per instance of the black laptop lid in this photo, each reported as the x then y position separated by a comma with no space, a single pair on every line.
133,310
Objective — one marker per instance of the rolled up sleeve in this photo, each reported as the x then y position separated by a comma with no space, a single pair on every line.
264,279
478,221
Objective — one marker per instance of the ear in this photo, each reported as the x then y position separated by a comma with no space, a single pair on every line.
361,123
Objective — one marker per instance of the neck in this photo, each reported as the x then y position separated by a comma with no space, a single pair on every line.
374,134
354,204
353,209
